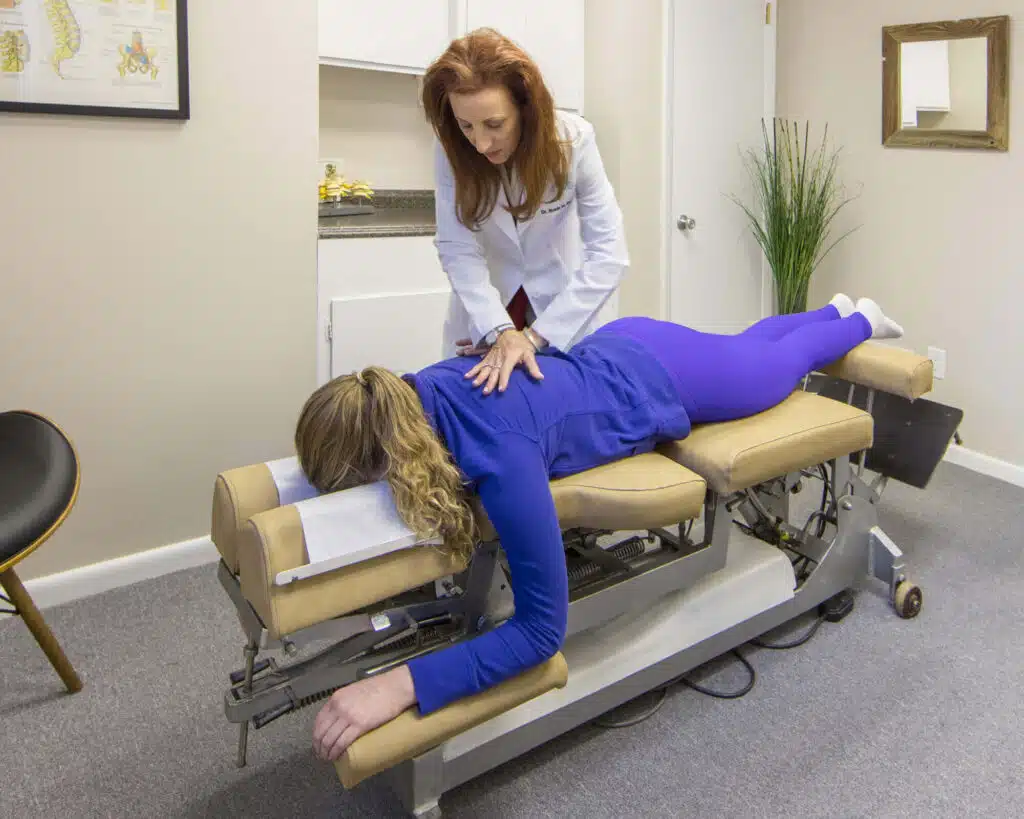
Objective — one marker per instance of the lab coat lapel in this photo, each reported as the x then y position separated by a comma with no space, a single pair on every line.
529,226
502,218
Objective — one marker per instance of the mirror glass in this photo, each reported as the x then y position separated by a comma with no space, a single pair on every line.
944,84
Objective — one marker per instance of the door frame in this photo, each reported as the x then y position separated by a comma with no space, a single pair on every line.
668,19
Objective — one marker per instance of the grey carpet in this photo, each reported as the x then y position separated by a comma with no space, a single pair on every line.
874,717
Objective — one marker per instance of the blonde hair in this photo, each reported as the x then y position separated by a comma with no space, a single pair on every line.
486,59
370,426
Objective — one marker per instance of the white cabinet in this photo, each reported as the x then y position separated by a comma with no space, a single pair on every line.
396,35
550,31
380,301
924,74
408,35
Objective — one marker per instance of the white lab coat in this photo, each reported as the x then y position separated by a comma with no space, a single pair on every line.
569,258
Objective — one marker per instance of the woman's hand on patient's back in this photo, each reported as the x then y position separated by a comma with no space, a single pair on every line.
510,350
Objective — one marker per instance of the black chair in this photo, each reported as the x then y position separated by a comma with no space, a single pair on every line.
39,478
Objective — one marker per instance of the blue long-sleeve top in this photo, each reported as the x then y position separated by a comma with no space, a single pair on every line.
605,399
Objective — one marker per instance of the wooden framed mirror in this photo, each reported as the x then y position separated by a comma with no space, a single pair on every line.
946,84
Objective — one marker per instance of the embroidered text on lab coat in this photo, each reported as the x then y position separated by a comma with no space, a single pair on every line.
556,208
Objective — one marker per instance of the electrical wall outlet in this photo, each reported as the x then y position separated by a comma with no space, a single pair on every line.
938,357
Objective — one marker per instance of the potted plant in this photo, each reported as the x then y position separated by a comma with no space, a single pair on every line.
796,198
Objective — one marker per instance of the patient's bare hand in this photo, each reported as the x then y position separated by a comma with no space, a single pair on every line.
361,707
511,349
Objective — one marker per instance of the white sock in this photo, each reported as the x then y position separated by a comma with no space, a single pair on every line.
881,325
844,304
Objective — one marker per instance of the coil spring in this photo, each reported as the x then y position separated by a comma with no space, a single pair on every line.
423,635
627,550
317,697
408,641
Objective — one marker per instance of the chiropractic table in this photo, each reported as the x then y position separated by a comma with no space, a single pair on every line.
674,557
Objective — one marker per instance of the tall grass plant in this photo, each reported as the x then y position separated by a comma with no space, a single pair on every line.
797,196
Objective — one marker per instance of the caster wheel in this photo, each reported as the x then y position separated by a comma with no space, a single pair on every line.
907,600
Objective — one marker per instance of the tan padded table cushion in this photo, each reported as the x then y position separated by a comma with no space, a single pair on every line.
885,368
408,735
641,492
238,494
804,430
272,542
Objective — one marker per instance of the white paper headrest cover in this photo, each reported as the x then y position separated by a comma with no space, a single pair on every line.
290,480
353,525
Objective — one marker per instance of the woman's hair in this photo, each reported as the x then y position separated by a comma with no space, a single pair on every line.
370,426
486,59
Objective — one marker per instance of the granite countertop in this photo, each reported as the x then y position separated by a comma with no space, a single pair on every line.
396,213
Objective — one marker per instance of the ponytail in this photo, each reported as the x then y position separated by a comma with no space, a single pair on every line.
370,426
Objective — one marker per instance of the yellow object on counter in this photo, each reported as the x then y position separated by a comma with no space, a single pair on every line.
334,187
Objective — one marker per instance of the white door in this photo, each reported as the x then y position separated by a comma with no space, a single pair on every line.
721,81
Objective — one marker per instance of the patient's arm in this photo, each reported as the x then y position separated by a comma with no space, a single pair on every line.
515,492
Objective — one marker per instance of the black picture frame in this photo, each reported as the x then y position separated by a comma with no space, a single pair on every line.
180,112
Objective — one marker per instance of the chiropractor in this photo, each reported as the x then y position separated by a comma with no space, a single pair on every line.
529,231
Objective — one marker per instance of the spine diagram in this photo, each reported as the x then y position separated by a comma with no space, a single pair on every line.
14,51
67,34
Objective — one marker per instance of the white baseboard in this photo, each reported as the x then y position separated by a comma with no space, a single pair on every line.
985,464
74,584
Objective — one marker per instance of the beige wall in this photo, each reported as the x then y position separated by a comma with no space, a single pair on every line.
938,242
625,101
158,295
372,122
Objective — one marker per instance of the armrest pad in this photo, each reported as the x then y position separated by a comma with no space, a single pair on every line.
885,368
409,735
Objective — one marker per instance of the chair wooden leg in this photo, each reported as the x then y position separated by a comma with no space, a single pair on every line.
34,620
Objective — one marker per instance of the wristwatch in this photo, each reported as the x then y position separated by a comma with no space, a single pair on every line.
535,339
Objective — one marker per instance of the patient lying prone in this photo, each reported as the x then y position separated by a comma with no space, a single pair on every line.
437,440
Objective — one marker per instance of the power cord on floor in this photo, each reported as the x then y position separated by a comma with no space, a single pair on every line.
833,610
662,692
757,641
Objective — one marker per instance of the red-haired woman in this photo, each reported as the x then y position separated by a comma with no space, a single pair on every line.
529,232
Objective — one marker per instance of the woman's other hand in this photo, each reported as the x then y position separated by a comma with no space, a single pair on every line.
511,349
464,346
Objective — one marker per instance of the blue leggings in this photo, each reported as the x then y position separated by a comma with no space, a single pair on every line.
723,377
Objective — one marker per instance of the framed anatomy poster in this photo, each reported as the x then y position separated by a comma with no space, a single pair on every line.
126,58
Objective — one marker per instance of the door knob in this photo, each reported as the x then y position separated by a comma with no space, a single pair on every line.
685,223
